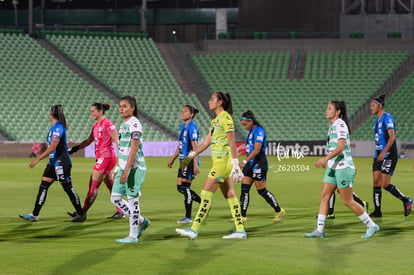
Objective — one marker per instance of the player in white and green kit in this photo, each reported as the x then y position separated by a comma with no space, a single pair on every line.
132,169
340,171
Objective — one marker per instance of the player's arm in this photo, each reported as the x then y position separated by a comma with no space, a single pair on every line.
203,146
83,144
52,147
338,150
131,159
254,153
390,142
232,142
115,137
174,157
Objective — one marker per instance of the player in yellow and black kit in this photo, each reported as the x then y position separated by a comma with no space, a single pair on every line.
225,164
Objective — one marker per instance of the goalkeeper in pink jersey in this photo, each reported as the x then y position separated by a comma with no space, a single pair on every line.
104,133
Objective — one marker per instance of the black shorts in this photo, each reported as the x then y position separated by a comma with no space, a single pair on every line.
257,173
387,166
187,172
59,173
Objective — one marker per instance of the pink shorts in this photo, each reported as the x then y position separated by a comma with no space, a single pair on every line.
105,164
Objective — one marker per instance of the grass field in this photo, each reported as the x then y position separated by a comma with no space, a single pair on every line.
56,246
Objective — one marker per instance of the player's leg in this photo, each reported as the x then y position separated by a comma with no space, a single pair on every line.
377,190
119,190
269,198
109,182
47,180
387,170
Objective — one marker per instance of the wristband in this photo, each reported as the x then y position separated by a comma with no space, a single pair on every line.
235,162
244,161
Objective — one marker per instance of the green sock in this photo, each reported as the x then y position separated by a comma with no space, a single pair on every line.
203,210
236,213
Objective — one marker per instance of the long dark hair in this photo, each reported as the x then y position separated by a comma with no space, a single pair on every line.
248,115
227,103
380,100
57,112
193,110
341,106
102,106
133,103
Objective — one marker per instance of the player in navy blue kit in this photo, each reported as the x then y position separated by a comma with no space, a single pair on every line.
385,157
255,166
188,138
58,167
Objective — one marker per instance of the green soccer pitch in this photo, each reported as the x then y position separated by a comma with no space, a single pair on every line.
54,245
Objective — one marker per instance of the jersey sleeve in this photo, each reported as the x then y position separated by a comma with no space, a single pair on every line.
110,126
57,133
259,136
389,122
193,132
227,123
342,130
136,130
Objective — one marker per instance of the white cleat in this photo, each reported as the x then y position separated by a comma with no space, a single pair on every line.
236,235
188,232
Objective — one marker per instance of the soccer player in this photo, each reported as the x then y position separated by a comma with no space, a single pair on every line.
225,167
104,133
58,168
385,157
340,171
132,169
255,166
188,138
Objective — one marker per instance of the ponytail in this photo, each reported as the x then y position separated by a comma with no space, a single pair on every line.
227,103
341,106
57,112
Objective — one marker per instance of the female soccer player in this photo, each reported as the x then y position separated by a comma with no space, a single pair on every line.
188,137
58,168
104,133
225,163
385,157
340,172
132,170
255,166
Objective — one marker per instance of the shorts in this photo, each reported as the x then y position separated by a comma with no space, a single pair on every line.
342,178
257,173
221,168
187,172
133,185
105,164
60,173
387,166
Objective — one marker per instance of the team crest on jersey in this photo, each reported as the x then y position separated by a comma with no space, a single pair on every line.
100,129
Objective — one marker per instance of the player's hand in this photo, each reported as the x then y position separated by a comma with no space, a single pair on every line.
170,163
236,172
242,164
124,177
74,149
321,163
187,159
33,163
114,172
196,170
380,157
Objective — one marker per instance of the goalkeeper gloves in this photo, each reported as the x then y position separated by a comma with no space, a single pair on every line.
236,172
187,159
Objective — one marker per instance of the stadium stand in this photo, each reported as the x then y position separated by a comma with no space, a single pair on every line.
31,80
131,65
400,105
293,109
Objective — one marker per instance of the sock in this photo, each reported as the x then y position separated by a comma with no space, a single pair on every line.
135,219
92,194
195,197
365,218
41,197
236,213
320,224
73,196
332,204
109,183
270,198
377,193
396,192
244,199
121,204
206,197
358,200
188,202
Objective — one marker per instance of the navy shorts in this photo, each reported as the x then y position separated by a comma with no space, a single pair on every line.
60,173
387,166
257,173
